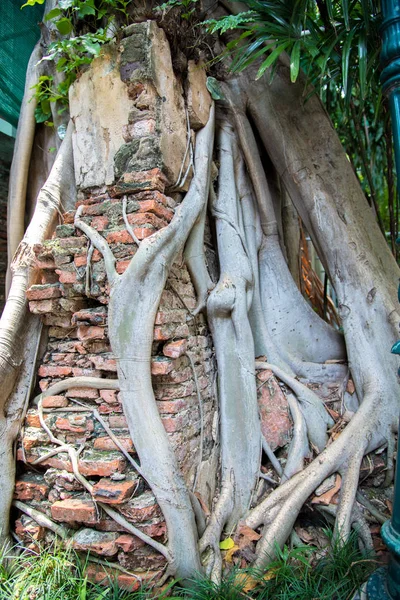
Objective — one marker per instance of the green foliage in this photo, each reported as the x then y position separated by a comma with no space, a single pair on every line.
59,574
70,54
336,43
56,575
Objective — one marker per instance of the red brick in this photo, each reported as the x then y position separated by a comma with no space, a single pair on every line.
104,363
106,443
160,366
118,422
171,406
28,530
141,509
109,396
81,425
81,259
100,222
32,420
170,316
54,402
140,181
174,424
90,332
128,542
30,490
274,411
72,242
53,371
42,307
175,349
113,492
88,393
39,292
152,206
106,409
102,575
75,510
102,467
121,266
124,237
146,218
66,276
92,316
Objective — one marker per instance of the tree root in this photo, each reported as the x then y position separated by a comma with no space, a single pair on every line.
42,520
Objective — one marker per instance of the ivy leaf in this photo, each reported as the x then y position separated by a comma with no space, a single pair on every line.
396,348
64,26
40,116
227,544
92,47
52,14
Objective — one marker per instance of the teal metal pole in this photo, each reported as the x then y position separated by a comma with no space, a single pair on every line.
385,583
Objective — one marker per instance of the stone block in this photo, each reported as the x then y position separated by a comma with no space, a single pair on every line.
90,540
198,97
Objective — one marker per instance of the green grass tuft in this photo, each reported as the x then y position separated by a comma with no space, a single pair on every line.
302,573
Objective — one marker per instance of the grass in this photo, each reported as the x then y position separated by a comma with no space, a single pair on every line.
297,574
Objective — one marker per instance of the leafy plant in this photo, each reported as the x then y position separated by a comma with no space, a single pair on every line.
337,45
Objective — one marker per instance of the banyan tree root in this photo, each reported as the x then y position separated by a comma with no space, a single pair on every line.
228,316
20,330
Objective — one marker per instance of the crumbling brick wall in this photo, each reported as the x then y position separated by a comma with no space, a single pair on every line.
120,154
129,143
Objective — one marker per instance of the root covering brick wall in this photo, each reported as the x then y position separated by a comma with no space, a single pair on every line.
121,157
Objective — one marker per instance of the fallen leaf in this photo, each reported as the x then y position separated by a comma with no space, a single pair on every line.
249,533
246,582
230,553
304,535
328,496
389,505
227,544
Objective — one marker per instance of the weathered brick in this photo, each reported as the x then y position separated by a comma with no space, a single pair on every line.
54,402
41,307
171,406
121,266
155,207
66,276
75,423
109,396
43,292
146,219
106,443
129,543
54,371
30,488
124,237
104,363
75,510
90,332
102,576
113,492
118,422
175,349
90,540
161,366
88,393
100,222
171,316
274,410
92,316
140,181
141,509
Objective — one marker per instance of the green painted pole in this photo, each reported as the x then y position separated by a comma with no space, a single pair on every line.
385,583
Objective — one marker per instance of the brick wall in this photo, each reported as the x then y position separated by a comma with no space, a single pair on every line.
132,148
